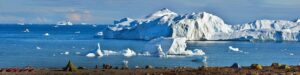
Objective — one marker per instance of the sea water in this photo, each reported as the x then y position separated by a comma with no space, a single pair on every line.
33,48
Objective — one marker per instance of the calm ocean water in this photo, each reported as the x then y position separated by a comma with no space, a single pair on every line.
19,49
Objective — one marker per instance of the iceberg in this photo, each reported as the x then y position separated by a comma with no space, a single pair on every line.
96,52
64,23
26,30
169,47
201,26
160,51
129,53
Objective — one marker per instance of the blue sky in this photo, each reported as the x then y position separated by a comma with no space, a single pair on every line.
106,11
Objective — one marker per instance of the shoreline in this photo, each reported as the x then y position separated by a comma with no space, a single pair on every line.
148,70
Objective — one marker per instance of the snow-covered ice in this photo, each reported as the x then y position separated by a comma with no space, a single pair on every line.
201,26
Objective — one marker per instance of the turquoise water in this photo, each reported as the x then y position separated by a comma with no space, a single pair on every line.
18,49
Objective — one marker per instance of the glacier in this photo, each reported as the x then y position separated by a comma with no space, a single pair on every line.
201,27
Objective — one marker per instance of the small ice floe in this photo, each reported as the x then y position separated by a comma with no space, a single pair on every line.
97,52
53,54
77,53
234,49
38,48
26,30
46,34
77,32
82,48
129,53
109,52
291,54
91,55
94,25
55,26
67,53
100,34
198,52
144,54
21,23
201,60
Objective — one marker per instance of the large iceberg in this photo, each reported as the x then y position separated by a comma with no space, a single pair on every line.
201,26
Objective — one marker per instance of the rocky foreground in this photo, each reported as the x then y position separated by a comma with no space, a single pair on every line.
252,70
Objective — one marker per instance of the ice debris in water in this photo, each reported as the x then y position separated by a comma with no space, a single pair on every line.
91,55
26,30
38,48
77,32
77,53
125,62
109,52
129,53
160,51
291,54
67,53
198,52
144,54
97,52
234,49
46,34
